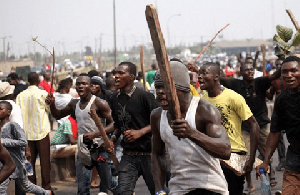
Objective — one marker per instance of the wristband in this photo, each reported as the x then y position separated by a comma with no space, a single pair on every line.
162,192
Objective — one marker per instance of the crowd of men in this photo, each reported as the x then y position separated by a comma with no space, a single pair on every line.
223,119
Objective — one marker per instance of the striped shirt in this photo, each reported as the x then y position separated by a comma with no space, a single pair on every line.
35,113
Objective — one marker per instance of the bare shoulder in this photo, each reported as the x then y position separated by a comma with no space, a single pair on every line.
100,103
73,102
207,112
156,113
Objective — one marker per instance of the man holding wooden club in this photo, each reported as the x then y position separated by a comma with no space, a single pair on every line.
195,167
88,129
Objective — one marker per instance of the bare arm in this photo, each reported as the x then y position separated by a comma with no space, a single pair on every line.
275,75
272,141
270,92
209,135
254,136
8,164
131,135
58,114
71,139
158,152
103,111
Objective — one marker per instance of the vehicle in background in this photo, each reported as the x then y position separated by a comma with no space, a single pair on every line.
37,69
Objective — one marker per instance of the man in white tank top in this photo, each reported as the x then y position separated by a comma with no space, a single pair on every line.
89,130
195,167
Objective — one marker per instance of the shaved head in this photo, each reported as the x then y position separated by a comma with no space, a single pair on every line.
213,67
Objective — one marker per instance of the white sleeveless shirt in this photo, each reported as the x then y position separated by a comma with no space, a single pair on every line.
84,121
191,166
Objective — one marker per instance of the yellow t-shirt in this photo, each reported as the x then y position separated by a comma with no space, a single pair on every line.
233,110
194,91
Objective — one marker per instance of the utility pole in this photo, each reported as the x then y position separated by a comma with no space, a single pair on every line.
115,34
4,49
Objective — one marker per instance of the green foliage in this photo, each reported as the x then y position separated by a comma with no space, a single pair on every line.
285,40
296,39
284,33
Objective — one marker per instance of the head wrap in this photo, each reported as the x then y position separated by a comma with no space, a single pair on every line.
98,81
180,76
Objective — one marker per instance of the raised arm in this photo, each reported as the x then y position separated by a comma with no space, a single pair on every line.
209,135
275,75
58,114
158,158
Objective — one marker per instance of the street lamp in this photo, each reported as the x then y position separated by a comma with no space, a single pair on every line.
115,34
169,38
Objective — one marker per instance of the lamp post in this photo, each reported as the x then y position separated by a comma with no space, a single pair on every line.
115,34
169,38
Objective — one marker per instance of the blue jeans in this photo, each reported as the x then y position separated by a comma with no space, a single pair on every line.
84,176
130,169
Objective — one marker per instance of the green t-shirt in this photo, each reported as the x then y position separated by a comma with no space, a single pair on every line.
61,134
150,76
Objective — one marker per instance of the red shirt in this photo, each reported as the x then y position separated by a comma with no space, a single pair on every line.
46,86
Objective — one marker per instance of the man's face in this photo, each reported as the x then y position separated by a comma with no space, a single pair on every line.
95,88
278,64
11,81
83,86
290,73
206,78
123,77
247,72
161,96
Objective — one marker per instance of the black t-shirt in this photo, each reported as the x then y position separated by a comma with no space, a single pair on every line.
255,96
286,116
134,113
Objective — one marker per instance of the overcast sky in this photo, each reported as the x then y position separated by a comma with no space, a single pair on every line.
73,24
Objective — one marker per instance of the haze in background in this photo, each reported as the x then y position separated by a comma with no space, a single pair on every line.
70,25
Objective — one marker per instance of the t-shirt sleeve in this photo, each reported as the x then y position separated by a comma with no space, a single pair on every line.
264,83
151,102
277,124
241,107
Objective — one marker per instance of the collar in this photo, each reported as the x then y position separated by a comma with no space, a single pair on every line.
129,94
32,87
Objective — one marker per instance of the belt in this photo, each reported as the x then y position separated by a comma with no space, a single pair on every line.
135,153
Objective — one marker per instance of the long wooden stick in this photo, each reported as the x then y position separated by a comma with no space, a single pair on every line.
98,123
53,70
208,44
142,65
290,13
163,61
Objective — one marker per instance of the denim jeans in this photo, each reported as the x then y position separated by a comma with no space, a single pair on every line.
84,175
130,169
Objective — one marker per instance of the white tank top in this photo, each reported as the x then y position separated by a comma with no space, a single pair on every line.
191,166
84,121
